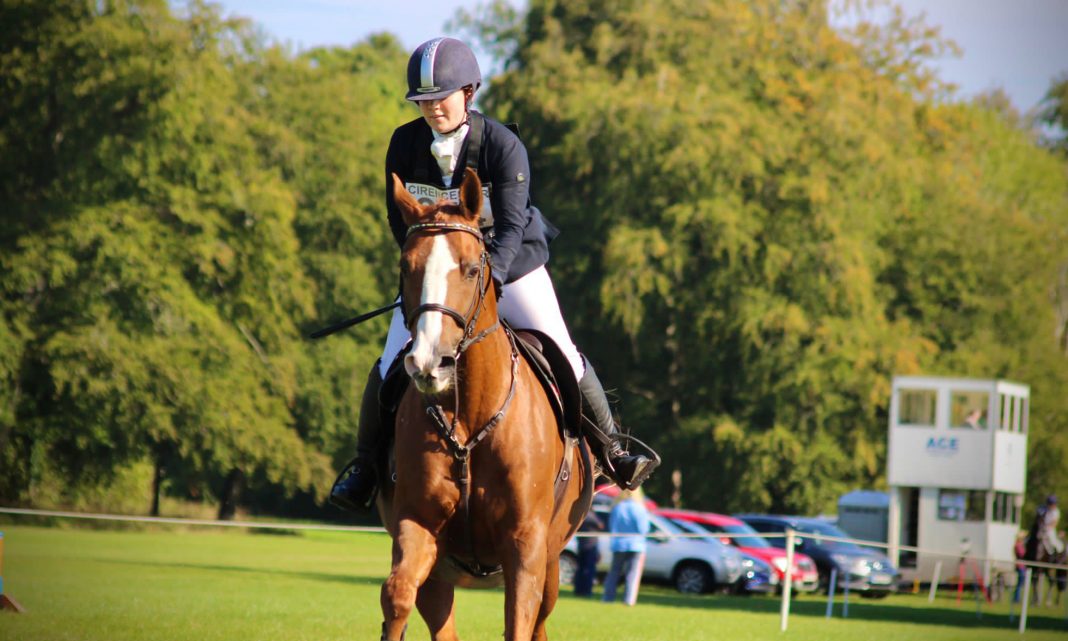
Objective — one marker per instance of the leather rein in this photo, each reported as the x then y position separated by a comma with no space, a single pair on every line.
447,430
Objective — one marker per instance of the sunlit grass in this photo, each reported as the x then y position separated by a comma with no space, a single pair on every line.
202,584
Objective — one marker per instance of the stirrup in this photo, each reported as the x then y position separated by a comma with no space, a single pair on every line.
644,450
344,502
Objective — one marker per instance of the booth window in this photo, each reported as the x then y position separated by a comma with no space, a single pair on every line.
917,407
961,505
968,410
1005,510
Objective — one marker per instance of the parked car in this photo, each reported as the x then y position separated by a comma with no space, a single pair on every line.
757,575
805,576
692,564
867,572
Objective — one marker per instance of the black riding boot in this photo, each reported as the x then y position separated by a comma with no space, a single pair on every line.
354,489
626,470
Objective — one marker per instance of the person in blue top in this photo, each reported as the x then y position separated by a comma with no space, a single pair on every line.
629,524
429,154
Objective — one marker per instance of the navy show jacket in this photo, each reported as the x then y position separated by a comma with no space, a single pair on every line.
519,243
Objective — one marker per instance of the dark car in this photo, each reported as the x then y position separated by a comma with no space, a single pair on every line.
868,572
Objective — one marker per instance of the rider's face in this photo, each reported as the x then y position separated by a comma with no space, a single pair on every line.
446,114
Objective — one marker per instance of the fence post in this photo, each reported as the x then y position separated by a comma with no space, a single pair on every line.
845,597
788,580
934,581
1026,599
961,569
830,592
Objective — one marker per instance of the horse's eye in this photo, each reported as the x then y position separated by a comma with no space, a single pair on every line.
470,272
405,269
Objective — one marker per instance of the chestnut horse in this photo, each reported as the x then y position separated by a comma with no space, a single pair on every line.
461,514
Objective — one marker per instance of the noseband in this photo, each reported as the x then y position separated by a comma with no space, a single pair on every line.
466,321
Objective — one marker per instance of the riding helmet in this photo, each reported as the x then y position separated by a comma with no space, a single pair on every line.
439,67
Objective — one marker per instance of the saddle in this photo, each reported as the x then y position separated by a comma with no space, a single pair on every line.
542,354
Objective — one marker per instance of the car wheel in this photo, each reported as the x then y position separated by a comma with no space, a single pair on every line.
693,578
568,568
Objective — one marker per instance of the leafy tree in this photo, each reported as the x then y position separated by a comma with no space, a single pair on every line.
151,255
780,218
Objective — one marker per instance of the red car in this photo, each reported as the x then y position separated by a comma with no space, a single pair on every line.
805,575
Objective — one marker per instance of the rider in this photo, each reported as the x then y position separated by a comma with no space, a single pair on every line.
430,154
1048,516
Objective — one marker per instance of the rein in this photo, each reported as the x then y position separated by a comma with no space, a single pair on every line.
447,430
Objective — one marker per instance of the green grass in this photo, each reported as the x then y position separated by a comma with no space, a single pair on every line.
202,584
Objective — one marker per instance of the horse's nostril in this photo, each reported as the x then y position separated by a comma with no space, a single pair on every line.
447,361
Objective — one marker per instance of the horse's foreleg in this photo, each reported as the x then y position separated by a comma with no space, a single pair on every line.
435,604
549,596
414,554
524,564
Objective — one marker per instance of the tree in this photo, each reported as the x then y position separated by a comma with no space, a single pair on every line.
783,217
151,258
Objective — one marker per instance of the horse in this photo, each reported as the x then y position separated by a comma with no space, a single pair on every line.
460,516
1055,577
1041,551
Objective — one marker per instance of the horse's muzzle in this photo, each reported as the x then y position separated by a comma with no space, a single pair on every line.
437,380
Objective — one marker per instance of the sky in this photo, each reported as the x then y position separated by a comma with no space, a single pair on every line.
1019,46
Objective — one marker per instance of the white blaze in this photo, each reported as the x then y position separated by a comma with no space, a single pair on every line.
435,286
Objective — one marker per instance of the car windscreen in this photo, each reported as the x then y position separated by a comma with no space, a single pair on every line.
736,529
745,541
666,526
816,531
694,528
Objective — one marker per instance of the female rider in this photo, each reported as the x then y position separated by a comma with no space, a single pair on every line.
430,154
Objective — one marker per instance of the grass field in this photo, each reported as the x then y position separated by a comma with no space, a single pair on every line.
203,585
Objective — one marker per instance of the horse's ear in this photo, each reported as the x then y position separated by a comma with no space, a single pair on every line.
409,207
471,193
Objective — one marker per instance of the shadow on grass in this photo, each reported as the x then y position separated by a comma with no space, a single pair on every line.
895,611
313,576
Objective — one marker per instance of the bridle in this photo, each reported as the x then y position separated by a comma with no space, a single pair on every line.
468,321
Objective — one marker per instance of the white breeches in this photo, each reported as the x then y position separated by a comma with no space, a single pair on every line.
528,303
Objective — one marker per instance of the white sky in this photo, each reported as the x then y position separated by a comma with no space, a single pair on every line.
1015,45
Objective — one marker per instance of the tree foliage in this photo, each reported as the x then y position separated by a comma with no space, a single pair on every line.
765,218
780,217
178,210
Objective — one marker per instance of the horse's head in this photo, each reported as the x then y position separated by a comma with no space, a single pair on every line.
444,271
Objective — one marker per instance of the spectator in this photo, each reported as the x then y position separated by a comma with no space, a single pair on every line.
588,554
975,420
629,522
1020,550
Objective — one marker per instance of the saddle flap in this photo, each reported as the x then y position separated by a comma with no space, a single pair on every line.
554,372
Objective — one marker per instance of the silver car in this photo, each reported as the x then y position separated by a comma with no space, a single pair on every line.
692,564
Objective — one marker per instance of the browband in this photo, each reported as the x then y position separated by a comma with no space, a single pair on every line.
474,231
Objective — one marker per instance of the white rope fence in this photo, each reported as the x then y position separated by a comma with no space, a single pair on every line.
790,535
198,522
